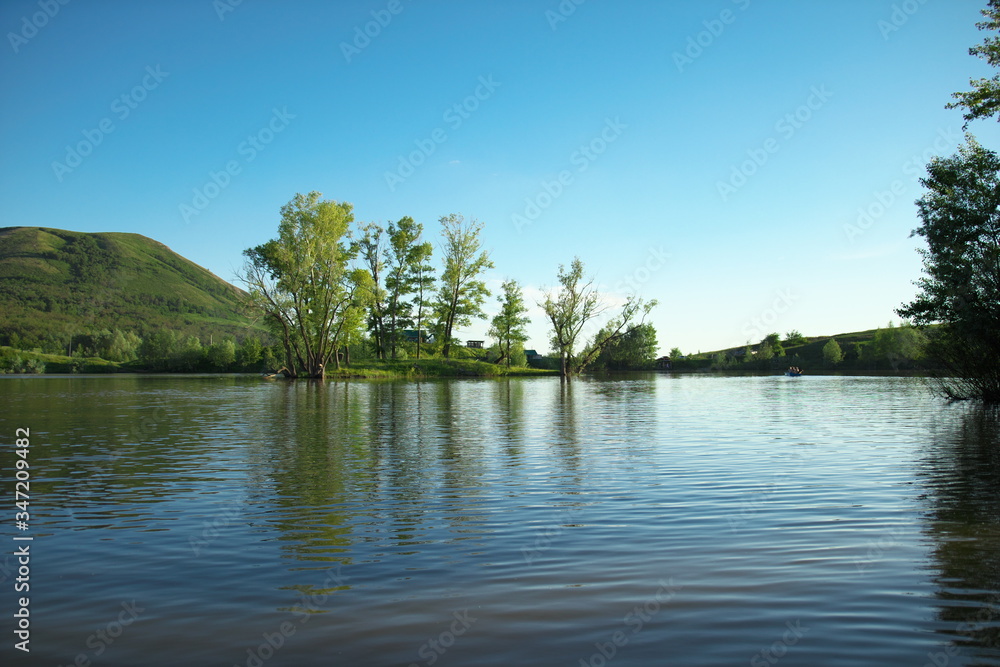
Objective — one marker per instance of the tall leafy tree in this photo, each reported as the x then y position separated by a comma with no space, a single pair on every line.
302,284
462,290
983,100
573,306
404,257
960,216
371,250
423,288
508,326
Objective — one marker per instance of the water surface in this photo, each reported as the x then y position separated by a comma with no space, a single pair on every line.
636,520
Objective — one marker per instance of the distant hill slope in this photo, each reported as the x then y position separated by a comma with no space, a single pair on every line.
55,283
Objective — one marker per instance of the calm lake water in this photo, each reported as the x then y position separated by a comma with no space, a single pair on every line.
638,520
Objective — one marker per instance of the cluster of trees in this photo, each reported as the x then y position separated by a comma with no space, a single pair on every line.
325,284
168,350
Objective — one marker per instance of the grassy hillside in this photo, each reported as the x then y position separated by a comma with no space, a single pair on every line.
859,348
56,283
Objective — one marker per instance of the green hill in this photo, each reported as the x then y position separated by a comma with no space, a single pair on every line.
57,284
889,349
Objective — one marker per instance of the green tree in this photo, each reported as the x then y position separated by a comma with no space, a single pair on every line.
983,100
675,353
960,216
508,326
462,291
793,337
423,289
634,350
302,285
404,259
372,250
249,352
773,341
222,355
577,303
832,354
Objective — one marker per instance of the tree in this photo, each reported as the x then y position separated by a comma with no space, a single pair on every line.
404,258
221,355
371,251
773,341
983,100
634,350
960,215
462,292
508,326
302,285
423,288
832,354
575,305
793,337
249,352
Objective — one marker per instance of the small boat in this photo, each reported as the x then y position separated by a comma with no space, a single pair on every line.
793,374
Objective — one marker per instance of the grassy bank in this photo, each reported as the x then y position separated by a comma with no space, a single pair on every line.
423,368
23,361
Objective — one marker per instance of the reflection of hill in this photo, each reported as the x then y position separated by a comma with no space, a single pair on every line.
962,473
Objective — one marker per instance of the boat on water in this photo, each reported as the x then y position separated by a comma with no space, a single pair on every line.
793,372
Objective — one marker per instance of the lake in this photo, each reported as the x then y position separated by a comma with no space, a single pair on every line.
631,520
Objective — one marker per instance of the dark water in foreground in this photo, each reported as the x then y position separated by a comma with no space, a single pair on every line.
650,520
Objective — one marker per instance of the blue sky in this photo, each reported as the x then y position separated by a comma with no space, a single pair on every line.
716,155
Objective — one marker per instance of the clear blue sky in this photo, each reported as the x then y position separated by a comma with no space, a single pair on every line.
715,154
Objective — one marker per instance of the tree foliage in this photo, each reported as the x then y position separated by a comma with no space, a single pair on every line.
960,221
634,350
462,291
406,258
576,304
508,326
983,100
832,354
301,282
